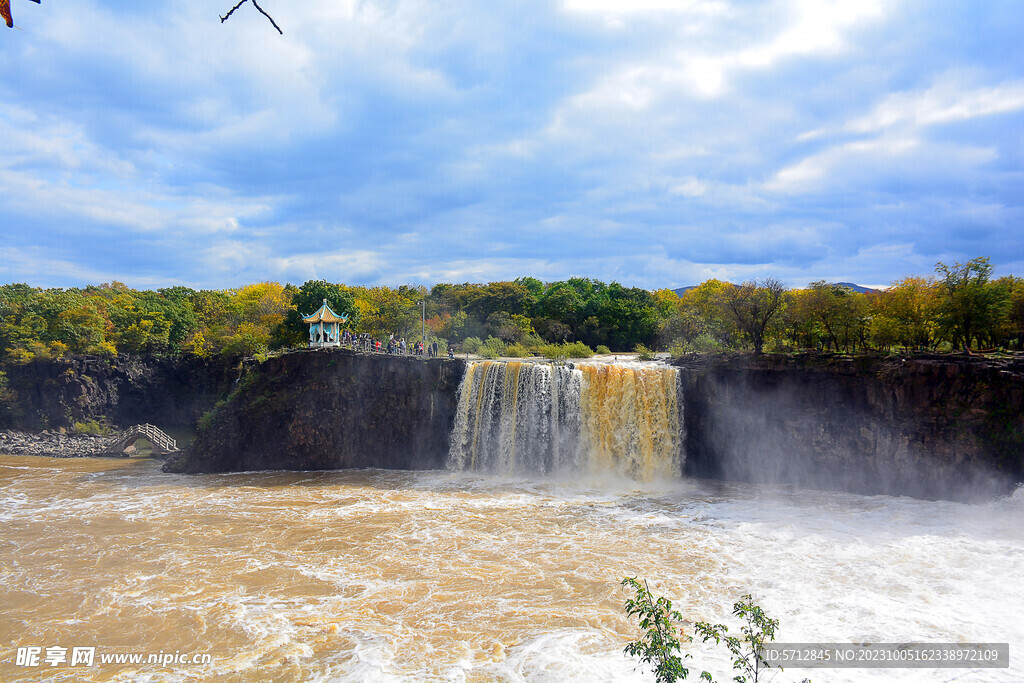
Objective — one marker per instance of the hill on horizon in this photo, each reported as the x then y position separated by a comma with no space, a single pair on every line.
860,289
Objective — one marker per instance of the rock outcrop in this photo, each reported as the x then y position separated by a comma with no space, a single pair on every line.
931,427
121,391
331,409
52,444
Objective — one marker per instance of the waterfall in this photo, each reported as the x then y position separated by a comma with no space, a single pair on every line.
532,417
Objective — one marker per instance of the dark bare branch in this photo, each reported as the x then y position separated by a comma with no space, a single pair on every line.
232,10
261,10
268,17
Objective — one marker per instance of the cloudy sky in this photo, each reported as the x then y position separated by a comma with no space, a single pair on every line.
653,142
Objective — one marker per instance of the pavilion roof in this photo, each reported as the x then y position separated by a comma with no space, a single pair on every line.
324,314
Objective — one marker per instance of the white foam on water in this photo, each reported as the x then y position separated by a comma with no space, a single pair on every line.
566,655
436,576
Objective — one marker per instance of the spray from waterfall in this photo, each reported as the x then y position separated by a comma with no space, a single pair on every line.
530,417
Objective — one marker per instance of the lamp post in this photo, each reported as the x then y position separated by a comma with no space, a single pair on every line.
423,304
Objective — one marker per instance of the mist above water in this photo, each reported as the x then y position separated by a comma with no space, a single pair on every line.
831,433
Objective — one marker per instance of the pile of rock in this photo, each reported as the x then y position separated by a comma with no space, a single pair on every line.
52,444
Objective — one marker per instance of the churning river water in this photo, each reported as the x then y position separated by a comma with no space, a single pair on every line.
463,576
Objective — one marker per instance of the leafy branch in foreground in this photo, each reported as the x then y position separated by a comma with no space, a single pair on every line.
659,644
746,652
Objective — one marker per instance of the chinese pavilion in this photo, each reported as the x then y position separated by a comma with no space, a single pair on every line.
325,326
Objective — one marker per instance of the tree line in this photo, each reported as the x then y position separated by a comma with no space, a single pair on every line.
958,307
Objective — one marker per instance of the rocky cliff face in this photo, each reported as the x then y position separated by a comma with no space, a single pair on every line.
127,390
936,427
332,409
925,427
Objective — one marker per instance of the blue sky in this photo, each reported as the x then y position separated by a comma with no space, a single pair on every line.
654,142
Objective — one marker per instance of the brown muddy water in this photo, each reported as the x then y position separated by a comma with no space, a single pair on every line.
441,576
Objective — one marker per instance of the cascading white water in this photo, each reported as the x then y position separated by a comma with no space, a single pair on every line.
425,576
529,417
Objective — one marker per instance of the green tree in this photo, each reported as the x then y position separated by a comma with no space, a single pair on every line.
509,328
310,297
212,309
20,319
905,313
701,316
659,643
1012,329
799,323
383,311
181,311
840,312
458,327
757,629
753,306
512,298
563,303
969,306
535,288
627,316
84,328
139,323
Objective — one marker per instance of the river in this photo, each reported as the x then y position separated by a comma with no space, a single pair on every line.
465,576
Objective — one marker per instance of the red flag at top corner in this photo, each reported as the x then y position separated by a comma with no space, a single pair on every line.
5,12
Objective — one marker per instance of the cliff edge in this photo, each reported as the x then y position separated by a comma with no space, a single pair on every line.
928,427
331,409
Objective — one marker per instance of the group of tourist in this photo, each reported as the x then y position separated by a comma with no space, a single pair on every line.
395,346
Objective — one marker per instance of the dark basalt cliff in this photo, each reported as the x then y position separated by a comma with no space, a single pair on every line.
931,427
331,409
126,390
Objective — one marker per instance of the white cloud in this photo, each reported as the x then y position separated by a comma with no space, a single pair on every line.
238,259
808,174
664,75
575,137
27,139
810,27
946,102
131,208
690,187
815,27
41,266
616,7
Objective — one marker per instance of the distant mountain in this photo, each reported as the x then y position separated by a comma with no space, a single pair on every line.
857,288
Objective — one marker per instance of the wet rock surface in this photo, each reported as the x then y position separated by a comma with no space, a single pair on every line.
121,391
331,409
53,444
924,426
